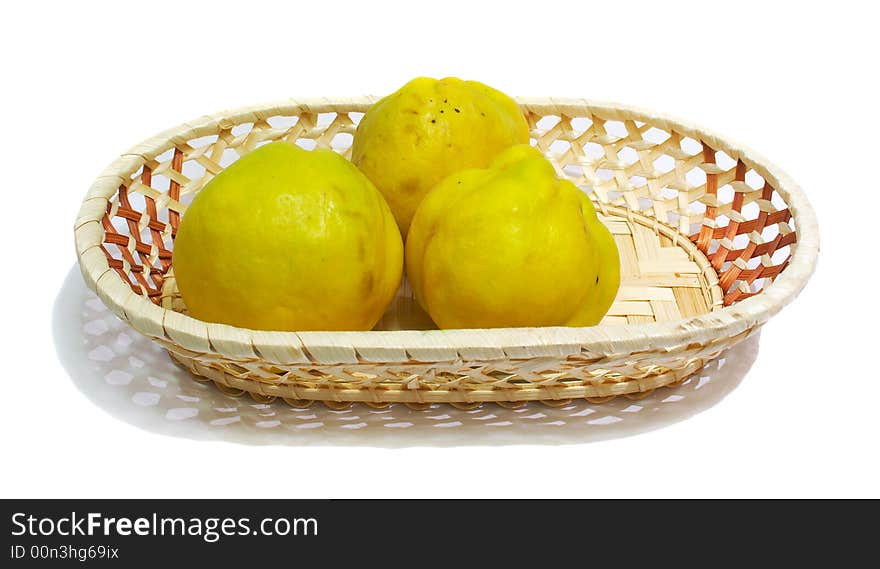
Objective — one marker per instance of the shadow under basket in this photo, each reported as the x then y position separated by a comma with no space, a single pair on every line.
713,241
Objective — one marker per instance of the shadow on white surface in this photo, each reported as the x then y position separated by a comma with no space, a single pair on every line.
134,380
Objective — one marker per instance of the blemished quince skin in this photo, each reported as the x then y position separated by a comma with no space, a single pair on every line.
412,139
289,239
510,246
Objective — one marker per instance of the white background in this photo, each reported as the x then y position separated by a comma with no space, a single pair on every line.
84,81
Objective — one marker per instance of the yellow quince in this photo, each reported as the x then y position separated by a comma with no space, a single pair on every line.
288,239
510,246
430,128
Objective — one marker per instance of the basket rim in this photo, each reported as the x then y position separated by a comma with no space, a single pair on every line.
343,346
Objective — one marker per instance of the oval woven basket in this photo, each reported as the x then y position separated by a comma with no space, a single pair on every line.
714,240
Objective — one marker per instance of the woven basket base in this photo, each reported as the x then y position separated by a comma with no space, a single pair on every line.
663,277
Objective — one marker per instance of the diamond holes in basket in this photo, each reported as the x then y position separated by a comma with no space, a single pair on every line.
594,151
559,147
341,141
616,129
242,129
546,123
282,122
579,126
664,163
644,167
690,146
627,156
627,163
655,135
134,238
751,238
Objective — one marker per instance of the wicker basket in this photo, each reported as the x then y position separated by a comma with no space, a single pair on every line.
714,240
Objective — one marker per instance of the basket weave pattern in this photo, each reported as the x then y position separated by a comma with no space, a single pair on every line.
722,218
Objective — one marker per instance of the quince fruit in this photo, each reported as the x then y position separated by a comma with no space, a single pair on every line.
289,239
510,246
412,139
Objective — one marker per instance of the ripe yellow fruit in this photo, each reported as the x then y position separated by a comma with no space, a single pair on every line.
511,246
412,139
287,239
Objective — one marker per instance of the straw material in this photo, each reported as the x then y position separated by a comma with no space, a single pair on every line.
713,240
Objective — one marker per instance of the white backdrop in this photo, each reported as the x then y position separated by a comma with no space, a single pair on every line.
86,80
